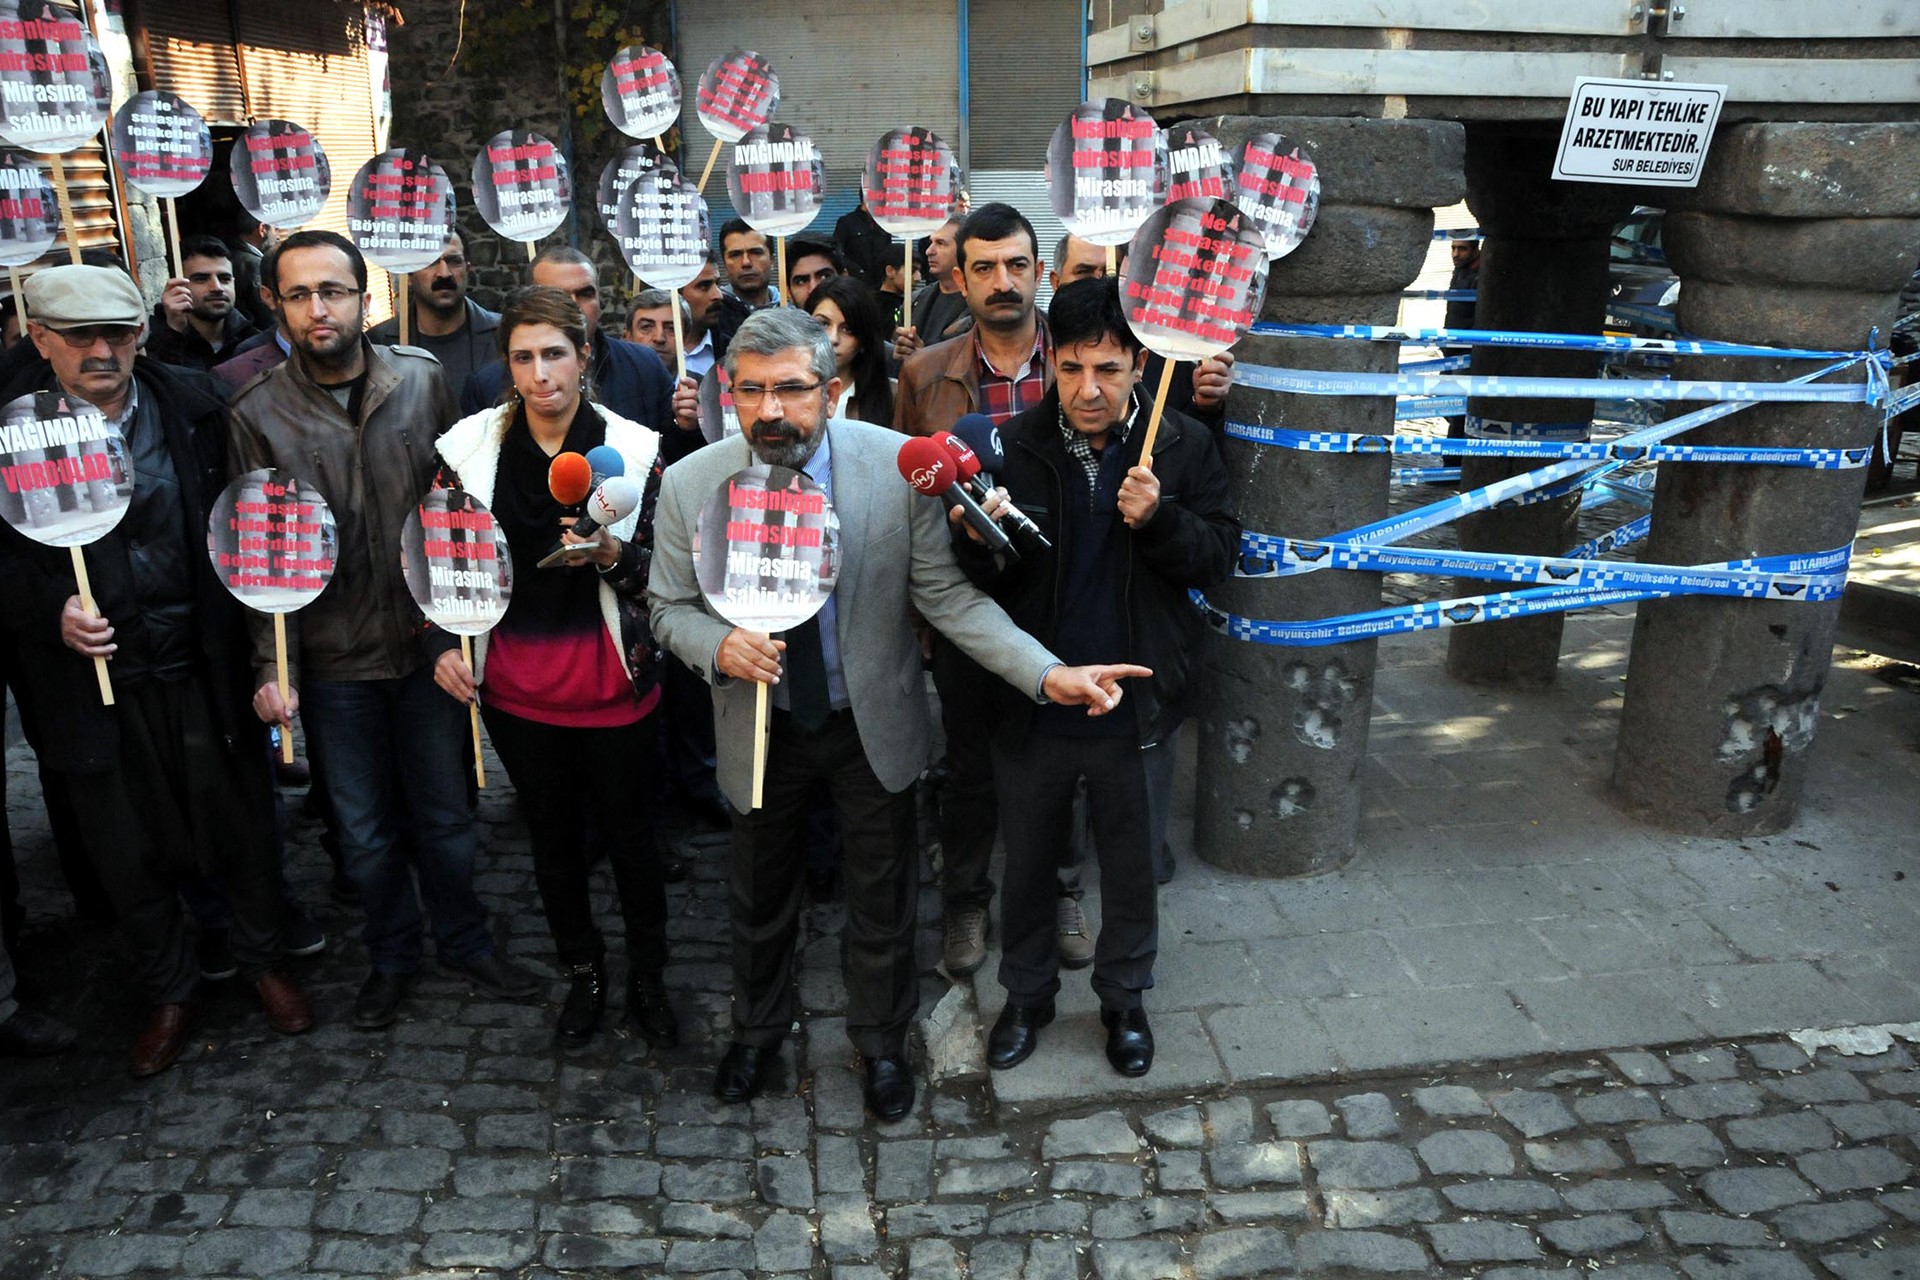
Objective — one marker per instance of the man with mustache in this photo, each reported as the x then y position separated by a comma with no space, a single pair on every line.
358,422
846,706
445,321
196,325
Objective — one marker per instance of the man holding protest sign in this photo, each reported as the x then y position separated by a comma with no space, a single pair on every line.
941,304
197,325
168,782
868,737
445,321
358,422
749,267
1128,541
650,321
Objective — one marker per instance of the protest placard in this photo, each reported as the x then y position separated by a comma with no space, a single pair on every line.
718,417
911,184
776,180
454,557
737,92
280,173
400,210
163,148
55,89
29,218
627,164
664,235
640,92
1277,185
1197,165
1106,170
521,186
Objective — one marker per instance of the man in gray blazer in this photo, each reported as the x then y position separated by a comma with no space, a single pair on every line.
849,705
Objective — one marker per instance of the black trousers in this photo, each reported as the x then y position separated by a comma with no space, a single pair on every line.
181,805
1036,781
566,779
879,875
686,736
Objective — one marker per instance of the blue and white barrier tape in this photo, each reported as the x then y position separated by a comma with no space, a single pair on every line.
1626,535
1317,382
1556,341
1621,450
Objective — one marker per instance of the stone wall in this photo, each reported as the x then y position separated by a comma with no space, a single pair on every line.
507,77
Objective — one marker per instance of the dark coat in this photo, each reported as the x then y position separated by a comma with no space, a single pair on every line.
79,734
1190,543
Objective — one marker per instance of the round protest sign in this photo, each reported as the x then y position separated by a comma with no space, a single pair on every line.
521,186
29,216
738,92
776,179
400,210
1106,170
454,557
1276,184
767,550
663,229
626,165
68,477
272,541
55,90
161,144
280,174
718,417
1197,165
911,182
640,91
1195,277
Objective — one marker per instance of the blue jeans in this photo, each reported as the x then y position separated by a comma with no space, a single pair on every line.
382,743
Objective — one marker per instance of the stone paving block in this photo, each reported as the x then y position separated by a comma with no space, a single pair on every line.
172,1211
1593,1011
710,1181
1368,1115
1368,1251
1682,1146
491,1176
1380,1033
371,1213
1573,1155
1689,1229
1714,1100
1535,1114
1735,999
786,1182
479,1213
1829,1222
1870,1121
502,1251
780,1124
1826,1085
1229,1121
932,1260
1351,1209
287,1167
1618,1106
1746,1264
995,1260
1640,1067
1702,1065
982,1177
1793,1133
689,1257
1899,1084
1777,1055
1262,1206
837,1165
406,1170
364,1257
1052,1260
599,1253
513,1132
1226,1255
1137,1260
404,1130
903,1169
119,1255
1363,1166
1299,1118
1105,1134
1124,1221
996,1146
1591,1236
1179,1171
610,1177
1060,1217
1853,1169
1255,1164
846,1229
1618,1195
700,1221
1502,1196
1178,1127
1467,1242
1102,1178
909,1221
1873,1264
1746,1191
705,1142
1466,1151
1451,1102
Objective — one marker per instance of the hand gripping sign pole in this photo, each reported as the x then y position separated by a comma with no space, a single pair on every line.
57,90
1196,276
29,223
457,566
767,555
738,92
400,212
777,183
69,480
273,545
163,148
663,233
911,184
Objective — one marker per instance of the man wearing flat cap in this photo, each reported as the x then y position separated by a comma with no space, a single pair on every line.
171,782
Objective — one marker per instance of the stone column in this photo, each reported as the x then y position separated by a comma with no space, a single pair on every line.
1543,269
1283,731
1799,235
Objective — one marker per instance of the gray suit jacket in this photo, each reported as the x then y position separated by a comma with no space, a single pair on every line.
894,552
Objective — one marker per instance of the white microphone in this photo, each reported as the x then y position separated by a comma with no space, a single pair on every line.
609,504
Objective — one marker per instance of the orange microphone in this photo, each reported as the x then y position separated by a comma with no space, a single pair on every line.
570,479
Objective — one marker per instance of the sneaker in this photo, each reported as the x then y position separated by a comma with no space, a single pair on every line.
1070,931
300,936
215,955
965,947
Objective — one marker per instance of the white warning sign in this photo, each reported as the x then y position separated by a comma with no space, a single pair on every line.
1636,132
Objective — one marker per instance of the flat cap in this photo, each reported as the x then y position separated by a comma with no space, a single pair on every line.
70,296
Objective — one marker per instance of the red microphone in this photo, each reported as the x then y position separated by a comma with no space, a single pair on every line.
570,479
980,486
931,468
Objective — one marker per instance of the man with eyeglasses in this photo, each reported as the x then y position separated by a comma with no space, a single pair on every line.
171,781
444,320
358,422
847,710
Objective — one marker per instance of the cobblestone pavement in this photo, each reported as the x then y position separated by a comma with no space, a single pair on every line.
460,1142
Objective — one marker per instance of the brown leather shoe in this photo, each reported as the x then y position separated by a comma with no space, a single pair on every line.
286,1004
160,1044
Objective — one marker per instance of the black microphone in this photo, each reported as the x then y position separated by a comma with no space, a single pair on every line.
928,466
976,433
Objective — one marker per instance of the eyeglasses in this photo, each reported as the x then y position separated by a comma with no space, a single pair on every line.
84,336
749,394
331,295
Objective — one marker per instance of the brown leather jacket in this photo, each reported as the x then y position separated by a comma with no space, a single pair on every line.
365,625
941,382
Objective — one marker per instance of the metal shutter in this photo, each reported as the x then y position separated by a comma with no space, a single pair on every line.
188,50
1015,102
840,83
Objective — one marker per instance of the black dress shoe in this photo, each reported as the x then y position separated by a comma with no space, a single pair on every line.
586,1001
889,1087
650,1012
31,1034
742,1070
1129,1040
1016,1034
498,976
379,1001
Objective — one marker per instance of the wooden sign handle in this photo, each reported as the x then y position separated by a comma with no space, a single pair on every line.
906,287
760,715
86,602
708,171
173,236
19,296
780,249
400,307
679,338
280,671
473,712
1113,260
66,215
1159,408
